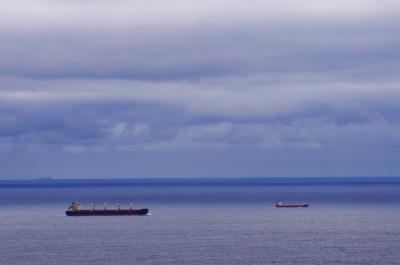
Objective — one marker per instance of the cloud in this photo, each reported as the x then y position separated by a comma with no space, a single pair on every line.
79,149
233,97
295,78
182,40
260,112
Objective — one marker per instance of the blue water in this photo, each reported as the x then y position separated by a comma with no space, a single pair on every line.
203,222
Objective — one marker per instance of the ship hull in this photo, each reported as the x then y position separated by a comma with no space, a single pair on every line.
107,212
292,206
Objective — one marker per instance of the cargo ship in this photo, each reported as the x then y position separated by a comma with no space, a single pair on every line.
281,205
75,210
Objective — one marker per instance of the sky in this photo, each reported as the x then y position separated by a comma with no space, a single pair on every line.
228,88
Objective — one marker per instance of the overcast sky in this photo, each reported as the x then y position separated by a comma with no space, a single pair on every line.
199,88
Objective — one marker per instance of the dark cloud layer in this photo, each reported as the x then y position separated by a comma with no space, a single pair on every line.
202,52
132,89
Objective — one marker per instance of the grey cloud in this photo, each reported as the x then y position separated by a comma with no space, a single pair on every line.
235,97
240,40
104,127
189,55
227,83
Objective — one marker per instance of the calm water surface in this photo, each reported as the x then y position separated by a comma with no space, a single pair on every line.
353,224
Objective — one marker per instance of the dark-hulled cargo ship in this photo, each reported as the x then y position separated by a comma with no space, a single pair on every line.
75,210
281,205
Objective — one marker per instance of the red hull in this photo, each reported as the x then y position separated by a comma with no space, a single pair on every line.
292,205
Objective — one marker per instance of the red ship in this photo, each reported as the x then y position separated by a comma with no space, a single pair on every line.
281,205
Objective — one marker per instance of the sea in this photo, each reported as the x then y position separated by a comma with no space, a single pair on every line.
219,221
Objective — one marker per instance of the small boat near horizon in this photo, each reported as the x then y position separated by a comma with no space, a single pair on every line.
282,205
75,210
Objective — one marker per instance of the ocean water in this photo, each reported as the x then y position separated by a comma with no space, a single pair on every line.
203,222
